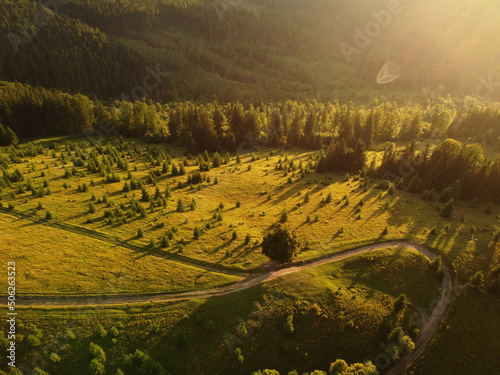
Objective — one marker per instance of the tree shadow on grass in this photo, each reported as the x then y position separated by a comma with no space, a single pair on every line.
220,247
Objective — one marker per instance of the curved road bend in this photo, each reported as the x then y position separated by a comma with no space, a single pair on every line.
427,330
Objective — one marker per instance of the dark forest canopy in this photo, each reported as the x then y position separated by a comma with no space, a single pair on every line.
64,54
248,49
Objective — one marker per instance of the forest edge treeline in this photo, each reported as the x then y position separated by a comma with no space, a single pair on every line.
343,132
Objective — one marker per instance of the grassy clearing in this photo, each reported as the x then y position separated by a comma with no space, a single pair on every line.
323,300
329,212
358,212
51,261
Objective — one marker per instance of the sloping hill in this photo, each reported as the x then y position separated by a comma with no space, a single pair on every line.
257,50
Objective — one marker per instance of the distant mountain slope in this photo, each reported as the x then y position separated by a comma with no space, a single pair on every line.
258,50
44,48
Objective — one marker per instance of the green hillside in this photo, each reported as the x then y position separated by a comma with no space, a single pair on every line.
254,50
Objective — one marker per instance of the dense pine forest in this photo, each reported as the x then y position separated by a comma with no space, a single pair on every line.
63,53
344,132
249,50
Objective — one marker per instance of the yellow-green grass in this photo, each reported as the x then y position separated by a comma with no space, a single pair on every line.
467,342
393,271
51,261
323,300
405,215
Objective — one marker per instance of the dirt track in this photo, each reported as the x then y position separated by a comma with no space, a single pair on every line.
428,327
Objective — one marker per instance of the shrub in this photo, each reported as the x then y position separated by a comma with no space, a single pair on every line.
100,331
140,233
48,215
248,238
385,232
238,204
329,198
447,210
288,327
284,216
384,185
477,280
401,303
234,235
196,233
437,265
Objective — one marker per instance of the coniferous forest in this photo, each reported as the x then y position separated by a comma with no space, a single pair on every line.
250,187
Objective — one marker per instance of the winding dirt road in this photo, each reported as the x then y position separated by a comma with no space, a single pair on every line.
429,324
250,281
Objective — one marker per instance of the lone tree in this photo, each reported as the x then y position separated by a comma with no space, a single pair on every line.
281,245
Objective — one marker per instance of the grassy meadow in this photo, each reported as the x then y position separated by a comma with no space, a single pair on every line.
93,234
247,198
51,261
331,304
